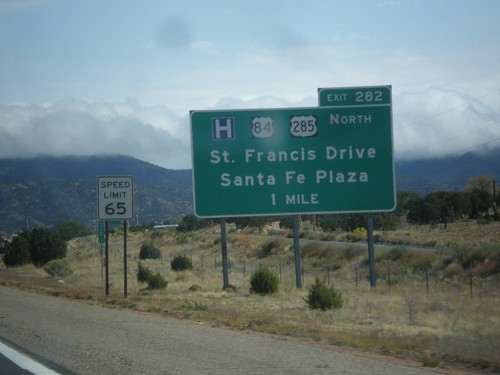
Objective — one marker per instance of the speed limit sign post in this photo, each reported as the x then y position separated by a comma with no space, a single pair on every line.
115,201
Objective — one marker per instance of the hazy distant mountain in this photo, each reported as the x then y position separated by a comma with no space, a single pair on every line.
47,190
87,168
449,173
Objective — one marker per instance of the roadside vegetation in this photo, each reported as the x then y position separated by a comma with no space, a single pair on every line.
437,299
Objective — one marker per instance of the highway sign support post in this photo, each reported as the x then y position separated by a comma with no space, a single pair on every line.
296,251
106,256
125,258
101,235
115,197
223,240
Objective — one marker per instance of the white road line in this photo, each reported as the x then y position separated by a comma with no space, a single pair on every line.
25,362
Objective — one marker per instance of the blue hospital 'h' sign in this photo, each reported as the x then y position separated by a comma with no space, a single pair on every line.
222,128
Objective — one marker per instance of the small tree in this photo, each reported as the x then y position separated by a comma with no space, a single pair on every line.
264,281
58,267
45,245
157,281
17,252
322,297
190,223
154,280
149,251
181,263
72,229
143,273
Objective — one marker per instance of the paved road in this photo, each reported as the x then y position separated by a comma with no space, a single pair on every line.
10,368
92,340
15,362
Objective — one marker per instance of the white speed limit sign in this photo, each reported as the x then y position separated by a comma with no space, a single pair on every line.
115,197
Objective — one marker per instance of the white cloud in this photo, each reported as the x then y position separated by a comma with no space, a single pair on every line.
438,122
427,123
202,45
154,134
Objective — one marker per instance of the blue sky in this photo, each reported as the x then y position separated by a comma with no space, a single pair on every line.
118,76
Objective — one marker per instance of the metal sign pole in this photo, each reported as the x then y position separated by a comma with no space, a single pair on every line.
107,256
102,265
371,252
296,250
125,258
225,273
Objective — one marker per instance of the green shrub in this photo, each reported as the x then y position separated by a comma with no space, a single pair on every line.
58,267
394,254
149,251
157,281
154,280
264,281
352,252
17,252
181,263
143,273
358,234
45,245
274,246
322,297
315,250
72,229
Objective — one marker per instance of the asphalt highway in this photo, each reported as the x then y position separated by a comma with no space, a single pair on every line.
85,339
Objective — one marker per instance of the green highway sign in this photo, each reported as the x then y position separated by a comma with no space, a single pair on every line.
100,231
292,161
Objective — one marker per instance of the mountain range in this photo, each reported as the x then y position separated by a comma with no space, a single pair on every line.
47,190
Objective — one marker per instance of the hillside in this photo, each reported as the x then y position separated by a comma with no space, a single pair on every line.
445,174
47,190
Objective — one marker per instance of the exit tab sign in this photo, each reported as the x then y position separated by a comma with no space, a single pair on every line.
356,96
292,161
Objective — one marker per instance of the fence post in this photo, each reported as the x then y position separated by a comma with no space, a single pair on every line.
470,282
389,277
426,280
356,268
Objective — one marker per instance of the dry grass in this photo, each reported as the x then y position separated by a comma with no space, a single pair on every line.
443,326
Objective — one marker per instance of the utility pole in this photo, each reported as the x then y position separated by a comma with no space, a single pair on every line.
26,218
494,196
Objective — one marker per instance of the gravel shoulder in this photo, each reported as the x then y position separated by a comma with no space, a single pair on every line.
88,339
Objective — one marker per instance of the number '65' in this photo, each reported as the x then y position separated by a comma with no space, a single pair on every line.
119,210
